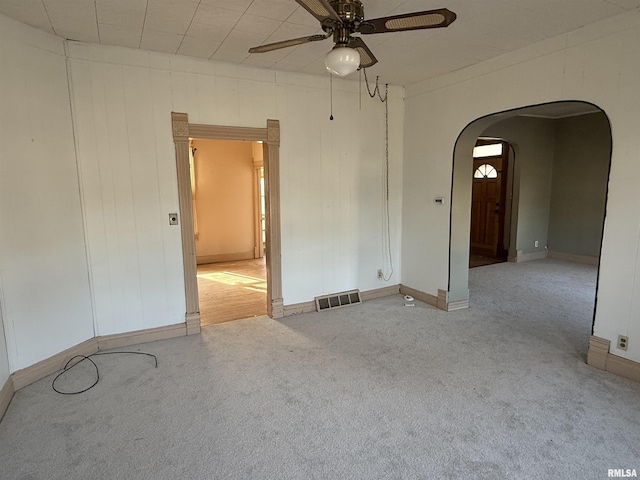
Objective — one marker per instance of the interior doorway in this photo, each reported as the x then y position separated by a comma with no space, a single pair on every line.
489,202
560,171
228,193
270,138
561,164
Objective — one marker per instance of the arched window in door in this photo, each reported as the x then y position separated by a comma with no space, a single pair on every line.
485,171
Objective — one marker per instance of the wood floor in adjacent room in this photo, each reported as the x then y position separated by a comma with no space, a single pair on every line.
232,290
476,260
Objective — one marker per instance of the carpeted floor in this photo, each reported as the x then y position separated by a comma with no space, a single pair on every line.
373,391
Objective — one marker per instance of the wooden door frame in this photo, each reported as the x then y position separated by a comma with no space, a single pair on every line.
270,136
258,248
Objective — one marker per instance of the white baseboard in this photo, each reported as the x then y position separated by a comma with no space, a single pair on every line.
118,340
571,257
459,305
35,372
421,296
441,301
299,308
308,307
600,358
6,394
527,257
380,292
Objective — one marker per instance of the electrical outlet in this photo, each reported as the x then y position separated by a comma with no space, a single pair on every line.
536,243
380,275
623,342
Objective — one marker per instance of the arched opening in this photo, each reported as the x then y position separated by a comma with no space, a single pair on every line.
560,158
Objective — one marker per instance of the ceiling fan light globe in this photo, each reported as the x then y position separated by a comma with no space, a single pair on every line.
342,61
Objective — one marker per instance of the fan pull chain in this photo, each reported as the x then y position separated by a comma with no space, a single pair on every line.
376,90
360,88
331,89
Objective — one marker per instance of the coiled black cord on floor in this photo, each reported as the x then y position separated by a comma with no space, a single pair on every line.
82,358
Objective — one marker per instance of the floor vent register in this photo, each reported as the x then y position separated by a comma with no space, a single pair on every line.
337,300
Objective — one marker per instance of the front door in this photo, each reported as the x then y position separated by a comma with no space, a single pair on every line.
488,205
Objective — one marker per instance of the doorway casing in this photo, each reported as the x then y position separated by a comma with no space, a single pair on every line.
270,138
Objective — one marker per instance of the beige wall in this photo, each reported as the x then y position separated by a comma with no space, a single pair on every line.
258,154
224,200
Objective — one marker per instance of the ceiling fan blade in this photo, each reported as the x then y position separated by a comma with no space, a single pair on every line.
322,10
367,59
287,43
441,17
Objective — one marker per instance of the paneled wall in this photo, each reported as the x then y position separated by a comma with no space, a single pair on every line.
62,285
128,182
598,64
332,176
45,295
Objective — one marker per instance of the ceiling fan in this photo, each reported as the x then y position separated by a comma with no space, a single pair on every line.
343,18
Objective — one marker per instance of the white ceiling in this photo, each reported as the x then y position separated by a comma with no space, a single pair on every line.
225,29
558,110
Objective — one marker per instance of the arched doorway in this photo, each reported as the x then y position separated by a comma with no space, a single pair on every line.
530,220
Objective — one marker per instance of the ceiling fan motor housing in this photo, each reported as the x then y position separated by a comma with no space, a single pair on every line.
350,11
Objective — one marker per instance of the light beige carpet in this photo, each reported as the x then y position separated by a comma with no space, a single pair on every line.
373,391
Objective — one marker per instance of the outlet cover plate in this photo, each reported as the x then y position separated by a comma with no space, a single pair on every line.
623,342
